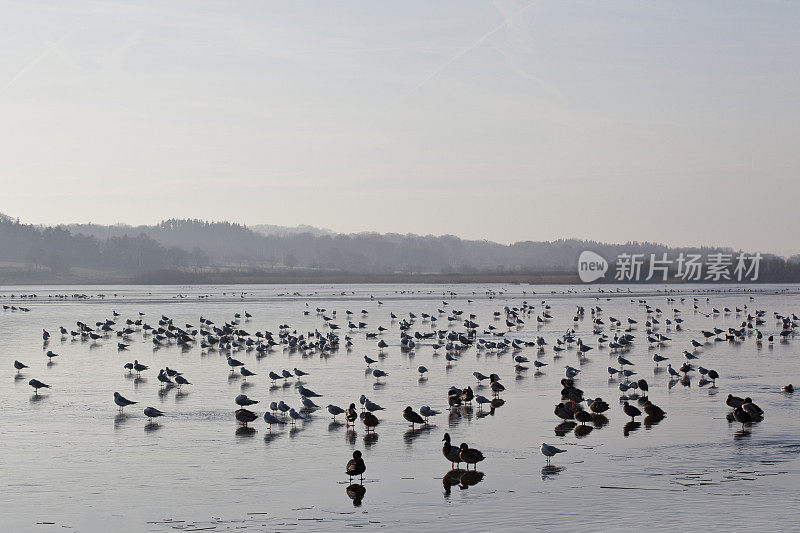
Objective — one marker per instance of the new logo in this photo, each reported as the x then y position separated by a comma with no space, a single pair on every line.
591,266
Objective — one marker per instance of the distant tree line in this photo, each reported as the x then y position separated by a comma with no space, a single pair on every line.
58,250
200,246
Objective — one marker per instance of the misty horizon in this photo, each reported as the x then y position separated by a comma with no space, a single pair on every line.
505,121
269,228
195,251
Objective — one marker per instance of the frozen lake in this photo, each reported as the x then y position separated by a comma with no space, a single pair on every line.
71,462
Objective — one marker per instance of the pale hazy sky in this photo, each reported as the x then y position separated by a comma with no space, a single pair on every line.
670,121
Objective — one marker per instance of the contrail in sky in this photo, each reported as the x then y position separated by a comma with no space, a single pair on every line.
36,61
465,51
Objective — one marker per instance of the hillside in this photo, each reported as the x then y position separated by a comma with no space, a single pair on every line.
200,250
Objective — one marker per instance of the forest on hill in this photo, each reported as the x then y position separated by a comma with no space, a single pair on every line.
195,250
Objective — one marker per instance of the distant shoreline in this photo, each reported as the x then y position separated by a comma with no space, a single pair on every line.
310,277
283,278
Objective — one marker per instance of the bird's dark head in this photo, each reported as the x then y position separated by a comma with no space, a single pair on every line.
463,446
407,409
446,437
356,454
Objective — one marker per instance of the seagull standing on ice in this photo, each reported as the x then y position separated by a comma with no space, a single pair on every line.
550,451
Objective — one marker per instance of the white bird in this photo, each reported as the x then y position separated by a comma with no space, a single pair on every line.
372,406
308,393
270,419
672,371
482,400
427,411
335,410
243,401
550,451
308,404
